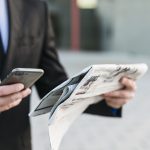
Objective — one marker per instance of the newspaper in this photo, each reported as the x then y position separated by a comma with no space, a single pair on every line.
68,100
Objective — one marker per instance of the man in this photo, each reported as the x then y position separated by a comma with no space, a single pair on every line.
28,41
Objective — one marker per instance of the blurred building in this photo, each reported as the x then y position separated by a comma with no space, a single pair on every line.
88,27
112,25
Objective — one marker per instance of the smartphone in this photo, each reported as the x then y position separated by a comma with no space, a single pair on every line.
26,76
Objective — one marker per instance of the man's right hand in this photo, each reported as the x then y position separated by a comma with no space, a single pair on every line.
12,95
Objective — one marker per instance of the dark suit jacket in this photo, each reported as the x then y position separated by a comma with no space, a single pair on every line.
31,44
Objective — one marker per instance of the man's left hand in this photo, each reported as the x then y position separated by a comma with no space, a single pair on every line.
117,99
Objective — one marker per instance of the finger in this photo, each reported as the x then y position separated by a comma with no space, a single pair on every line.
10,89
20,95
11,105
120,94
116,106
129,84
25,93
13,97
15,103
116,103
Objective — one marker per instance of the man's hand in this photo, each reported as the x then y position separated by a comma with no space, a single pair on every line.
12,95
117,99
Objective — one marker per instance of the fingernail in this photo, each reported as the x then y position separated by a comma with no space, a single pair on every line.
29,91
20,87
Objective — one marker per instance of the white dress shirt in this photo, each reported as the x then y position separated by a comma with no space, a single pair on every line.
4,27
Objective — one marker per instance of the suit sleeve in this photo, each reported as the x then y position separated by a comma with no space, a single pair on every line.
54,73
103,109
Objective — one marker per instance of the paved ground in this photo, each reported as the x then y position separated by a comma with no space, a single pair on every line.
132,132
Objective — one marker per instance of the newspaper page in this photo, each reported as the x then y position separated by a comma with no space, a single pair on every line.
99,80
76,97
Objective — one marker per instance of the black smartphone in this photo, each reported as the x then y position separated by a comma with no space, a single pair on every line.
26,76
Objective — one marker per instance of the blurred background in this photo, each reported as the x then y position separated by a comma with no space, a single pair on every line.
102,25
94,32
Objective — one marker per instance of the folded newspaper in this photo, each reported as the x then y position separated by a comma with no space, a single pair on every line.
68,100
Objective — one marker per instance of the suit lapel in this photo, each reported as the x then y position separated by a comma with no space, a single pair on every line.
15,22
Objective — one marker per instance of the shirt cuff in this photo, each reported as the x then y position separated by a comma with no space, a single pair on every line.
114,112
